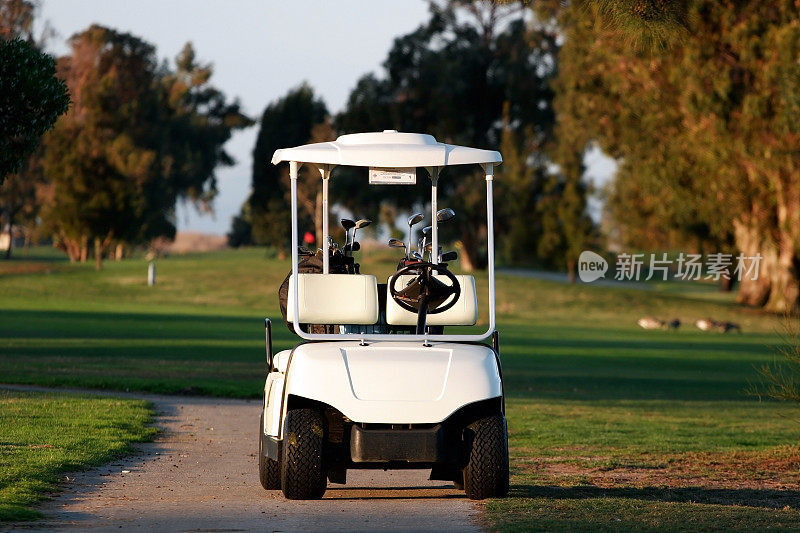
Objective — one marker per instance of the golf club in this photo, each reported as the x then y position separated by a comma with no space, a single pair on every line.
347,224
425,232
363,223
448,256
443,215
395,243
429,251
413,219
352,247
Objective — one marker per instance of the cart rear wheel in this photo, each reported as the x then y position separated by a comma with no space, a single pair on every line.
486,473
269,472
302,471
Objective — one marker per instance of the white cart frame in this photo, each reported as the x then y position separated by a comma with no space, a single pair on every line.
389,149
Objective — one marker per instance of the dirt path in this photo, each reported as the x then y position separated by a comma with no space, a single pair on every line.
201,474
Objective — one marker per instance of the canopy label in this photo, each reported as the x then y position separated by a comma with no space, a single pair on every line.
392,176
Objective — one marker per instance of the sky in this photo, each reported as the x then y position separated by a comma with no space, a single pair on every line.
259,49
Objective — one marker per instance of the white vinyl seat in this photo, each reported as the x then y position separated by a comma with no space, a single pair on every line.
463,313
334,299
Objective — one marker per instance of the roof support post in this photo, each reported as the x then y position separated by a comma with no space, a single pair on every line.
294,166
489,170
434,223
325,170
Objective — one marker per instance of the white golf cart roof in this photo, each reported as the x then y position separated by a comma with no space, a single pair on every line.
387,149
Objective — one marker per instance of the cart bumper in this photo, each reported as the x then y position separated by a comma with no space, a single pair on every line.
409,445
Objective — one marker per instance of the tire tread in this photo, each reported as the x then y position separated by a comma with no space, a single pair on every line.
302,471
269,470
486,474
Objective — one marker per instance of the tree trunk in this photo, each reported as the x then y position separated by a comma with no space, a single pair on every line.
10,221
119,252
750,241
98,254
70,247
571,270
84,248
727,284
26,244
10,241
468,253
784,283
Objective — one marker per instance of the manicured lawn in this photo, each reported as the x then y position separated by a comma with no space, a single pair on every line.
45,435
612,427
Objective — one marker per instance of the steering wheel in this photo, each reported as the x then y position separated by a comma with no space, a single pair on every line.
426,294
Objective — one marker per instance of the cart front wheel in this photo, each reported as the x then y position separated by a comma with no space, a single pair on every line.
302,472
486,473
269,472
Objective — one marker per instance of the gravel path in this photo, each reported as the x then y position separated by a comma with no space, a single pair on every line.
201,474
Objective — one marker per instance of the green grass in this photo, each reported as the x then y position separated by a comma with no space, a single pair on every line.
43,436
612,427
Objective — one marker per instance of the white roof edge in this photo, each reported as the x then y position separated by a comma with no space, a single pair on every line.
387,149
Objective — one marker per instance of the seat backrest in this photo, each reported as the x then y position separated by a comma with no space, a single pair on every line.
334,299
463,313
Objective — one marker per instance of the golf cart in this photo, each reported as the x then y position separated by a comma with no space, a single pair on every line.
377,382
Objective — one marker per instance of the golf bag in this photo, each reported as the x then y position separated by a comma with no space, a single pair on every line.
312,264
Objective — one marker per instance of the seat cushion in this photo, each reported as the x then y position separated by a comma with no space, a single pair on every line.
334,299
463,313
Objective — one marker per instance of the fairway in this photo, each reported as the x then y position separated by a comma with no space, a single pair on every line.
607,421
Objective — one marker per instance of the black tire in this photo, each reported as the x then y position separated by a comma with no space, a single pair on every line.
302,472
269,470
486,473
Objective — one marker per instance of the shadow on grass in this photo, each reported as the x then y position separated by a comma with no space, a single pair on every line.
51,324
743,497
540,341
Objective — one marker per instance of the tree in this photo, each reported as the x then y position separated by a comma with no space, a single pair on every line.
289,121
31,99
706,130
138,138
18,194
475,74
19,199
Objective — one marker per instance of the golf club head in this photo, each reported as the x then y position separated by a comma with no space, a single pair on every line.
415,219
352,247
395,243
426,230
448,256
443,215
363,223
347,224
416,255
